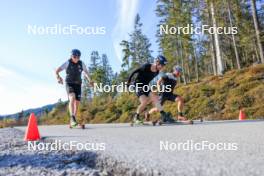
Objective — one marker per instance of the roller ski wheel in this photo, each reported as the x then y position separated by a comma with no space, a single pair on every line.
159,122
154,123
82,126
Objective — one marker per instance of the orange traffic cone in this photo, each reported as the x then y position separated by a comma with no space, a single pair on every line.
32,133
242,115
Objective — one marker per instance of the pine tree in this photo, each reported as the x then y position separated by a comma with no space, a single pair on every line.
127,53
107,69
95,61
139,45
136,51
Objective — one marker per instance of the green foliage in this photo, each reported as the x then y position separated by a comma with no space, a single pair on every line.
207,90
7,123
59,115
222,98
242,89
136,50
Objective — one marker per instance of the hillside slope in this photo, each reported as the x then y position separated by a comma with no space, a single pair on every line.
213,98
222,97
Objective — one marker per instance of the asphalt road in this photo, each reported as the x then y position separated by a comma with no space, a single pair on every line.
174,149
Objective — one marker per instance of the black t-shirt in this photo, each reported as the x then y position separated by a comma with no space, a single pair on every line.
144,74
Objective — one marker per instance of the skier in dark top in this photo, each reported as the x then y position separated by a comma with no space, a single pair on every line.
74,68
171,80
145,74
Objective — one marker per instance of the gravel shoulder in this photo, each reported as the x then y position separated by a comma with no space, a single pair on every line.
16,159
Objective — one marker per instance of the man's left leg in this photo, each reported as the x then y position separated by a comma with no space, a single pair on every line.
72,101
76,106
77,100
180,102
80,120
158,102
154,99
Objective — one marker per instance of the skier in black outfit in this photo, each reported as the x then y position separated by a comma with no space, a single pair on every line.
74,68
145,74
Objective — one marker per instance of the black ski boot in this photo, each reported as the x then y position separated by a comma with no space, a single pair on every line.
169,118
166,118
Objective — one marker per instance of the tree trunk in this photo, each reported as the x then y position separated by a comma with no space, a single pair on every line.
212,47
220,68
182,62
196,65
188,72
257,54
213,55
233,36
256,24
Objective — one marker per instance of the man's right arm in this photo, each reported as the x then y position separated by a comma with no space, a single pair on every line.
58,70
134,72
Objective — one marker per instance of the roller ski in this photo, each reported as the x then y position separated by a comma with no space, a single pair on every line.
167,119
186,122
137,121
82,126
74,124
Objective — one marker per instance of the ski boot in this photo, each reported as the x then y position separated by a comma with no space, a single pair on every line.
73,122
169,118
136,120
166,118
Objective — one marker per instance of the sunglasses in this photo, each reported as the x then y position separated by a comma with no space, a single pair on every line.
76,57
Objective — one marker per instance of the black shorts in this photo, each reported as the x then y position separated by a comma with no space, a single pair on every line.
142,92
165,97
76,89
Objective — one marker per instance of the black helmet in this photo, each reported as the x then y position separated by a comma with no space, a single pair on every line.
162,60
76,52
